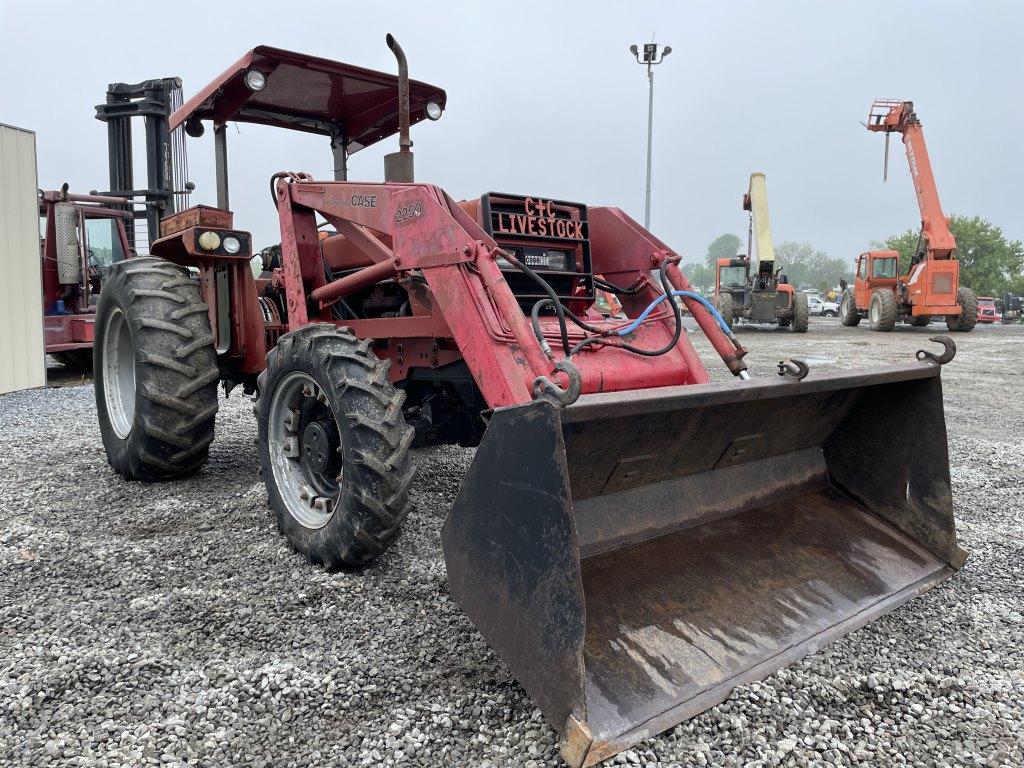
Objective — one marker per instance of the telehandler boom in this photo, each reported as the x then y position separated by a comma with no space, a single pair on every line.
632,540
931,284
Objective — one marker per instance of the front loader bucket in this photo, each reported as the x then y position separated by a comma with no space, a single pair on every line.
636,555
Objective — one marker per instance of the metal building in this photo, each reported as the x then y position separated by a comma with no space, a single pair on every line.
22,359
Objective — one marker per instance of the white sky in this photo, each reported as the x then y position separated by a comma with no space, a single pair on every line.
544,99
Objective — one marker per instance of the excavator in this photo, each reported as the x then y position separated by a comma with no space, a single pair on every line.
931,285
766,296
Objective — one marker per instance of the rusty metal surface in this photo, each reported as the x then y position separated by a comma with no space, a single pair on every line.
308,93
634,556
513,561
674,616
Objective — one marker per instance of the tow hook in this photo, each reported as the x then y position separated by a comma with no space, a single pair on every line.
949,351
794,368
545,389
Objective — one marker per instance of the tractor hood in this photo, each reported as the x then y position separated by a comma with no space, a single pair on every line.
307,93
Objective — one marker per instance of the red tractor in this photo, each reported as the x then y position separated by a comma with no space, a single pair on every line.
632,540
931,284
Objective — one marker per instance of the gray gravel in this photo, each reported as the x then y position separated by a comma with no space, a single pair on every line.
169,624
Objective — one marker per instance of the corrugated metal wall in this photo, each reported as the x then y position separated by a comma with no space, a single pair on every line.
22,359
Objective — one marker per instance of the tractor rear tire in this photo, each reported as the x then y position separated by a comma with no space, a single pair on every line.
156,371
849,315
723,303
882,310
919,321
801,313
334,446
968,317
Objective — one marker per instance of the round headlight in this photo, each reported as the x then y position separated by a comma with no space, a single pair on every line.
209,241
232,244
256,80
433,110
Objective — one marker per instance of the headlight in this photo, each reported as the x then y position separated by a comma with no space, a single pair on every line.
232,244
256,80
209,241
434,110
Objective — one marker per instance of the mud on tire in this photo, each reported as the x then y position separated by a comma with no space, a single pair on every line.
801,313
849,315
723,303
332,430
968,317
882,310
155,371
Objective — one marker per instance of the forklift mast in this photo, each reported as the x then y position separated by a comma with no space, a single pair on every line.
167,188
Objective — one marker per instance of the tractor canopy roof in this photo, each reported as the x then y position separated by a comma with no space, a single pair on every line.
307,93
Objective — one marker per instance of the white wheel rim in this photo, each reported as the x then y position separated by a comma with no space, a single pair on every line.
874,312
119,373
309,508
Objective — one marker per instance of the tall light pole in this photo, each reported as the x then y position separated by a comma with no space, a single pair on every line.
652,54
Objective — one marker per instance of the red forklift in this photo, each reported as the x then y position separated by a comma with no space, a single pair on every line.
83,236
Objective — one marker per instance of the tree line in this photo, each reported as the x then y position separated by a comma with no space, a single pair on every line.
990,264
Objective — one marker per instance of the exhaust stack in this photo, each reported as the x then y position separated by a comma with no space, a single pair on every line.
398,166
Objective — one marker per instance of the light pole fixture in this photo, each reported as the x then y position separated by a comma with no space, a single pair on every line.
651,55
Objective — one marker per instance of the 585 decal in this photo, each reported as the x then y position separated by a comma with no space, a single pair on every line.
408,212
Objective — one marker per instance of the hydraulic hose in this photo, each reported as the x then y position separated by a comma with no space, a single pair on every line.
689,294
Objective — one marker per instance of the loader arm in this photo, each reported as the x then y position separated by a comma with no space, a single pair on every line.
416,235
888,117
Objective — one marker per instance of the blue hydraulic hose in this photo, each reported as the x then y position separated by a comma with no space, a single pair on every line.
690,294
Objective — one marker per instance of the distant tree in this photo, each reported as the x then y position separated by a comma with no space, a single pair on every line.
804,265
701,276
989,263
723,247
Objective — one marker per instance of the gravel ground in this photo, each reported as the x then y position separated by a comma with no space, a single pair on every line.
169,624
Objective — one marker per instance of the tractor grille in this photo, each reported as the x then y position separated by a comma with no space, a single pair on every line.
549,236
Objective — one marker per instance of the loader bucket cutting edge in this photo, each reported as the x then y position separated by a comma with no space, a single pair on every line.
635,556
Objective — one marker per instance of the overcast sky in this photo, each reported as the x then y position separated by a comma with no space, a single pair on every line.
545,99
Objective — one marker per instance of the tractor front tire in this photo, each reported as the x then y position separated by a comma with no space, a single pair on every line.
968,317
919,321
155,371
849,315
882,310
723,303
333,445
801,313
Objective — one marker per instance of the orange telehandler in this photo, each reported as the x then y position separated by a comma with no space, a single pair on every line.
931,285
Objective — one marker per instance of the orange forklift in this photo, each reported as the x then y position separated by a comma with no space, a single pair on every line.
931,284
